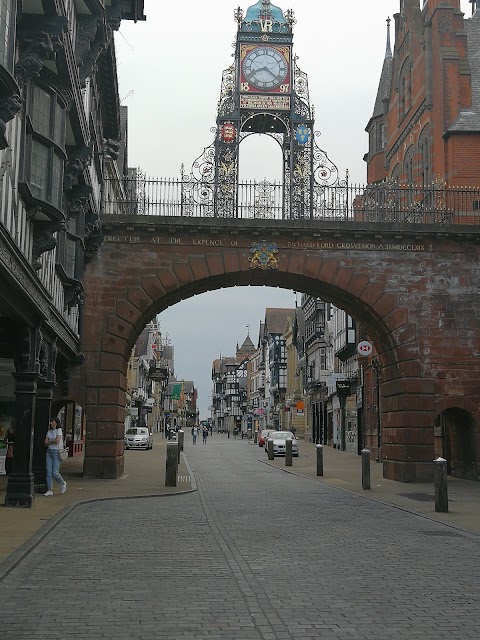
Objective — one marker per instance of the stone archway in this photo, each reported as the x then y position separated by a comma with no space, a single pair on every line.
136,276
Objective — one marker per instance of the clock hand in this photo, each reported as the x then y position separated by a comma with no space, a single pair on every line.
265,69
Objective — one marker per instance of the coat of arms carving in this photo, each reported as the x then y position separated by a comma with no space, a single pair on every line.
263,255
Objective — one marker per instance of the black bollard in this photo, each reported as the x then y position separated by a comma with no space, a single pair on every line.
288,452
270,449
171,467
366,469
441,485
255,437
228,433
319,449
181,439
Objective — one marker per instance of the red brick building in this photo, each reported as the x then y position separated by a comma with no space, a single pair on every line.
425,126
424,131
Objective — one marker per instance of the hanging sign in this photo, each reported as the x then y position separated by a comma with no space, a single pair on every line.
343,388
364,348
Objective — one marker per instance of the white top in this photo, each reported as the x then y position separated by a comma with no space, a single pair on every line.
51,435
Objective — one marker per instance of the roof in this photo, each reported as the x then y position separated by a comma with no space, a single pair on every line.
256,11
469,119
142,343
246,349
385,83
276,319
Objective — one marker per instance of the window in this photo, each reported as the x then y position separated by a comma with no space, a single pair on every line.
425,167
408,167
380,140
6,34
404,89
47,139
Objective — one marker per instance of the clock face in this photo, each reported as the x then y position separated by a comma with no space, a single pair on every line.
265,68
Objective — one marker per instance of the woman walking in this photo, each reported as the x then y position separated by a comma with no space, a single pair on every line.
54,441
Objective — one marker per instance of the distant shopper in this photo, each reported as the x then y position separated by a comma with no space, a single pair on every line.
194,433
205,434
9,439
54,441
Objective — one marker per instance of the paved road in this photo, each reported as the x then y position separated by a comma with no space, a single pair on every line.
332,566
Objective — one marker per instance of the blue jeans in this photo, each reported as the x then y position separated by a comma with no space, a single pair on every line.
53,468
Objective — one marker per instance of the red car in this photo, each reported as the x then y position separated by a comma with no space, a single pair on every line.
262,436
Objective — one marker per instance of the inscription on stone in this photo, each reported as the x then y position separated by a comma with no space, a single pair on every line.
294,244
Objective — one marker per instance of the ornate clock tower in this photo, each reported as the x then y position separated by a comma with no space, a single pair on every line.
265,92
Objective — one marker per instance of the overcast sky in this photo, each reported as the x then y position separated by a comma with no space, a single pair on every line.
170,71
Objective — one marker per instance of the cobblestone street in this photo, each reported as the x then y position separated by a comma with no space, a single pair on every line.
254,553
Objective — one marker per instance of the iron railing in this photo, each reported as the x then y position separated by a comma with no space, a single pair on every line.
386,202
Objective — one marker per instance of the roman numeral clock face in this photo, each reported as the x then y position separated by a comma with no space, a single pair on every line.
265,68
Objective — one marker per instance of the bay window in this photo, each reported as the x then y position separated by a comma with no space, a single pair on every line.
46,140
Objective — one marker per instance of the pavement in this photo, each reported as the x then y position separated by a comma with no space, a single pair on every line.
22,529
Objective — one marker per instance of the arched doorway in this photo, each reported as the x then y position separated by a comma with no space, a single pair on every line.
456,440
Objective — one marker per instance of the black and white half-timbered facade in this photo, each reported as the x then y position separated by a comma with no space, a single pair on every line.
60,133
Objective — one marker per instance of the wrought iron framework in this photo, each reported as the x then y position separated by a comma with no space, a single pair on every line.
311,187
383,203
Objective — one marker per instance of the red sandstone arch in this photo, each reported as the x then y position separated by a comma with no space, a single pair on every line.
135,277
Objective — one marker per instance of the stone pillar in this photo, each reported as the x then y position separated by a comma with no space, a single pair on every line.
20,486
43,407
105,425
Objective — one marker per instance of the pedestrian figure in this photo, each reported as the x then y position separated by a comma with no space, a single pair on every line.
205,435
194,433
54,442
9,439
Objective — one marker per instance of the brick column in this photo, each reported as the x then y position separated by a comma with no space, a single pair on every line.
105,424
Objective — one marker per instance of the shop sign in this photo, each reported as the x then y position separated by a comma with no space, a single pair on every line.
364,348
343,388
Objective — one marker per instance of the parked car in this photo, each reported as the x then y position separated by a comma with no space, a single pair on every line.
262,436
138,438
279,446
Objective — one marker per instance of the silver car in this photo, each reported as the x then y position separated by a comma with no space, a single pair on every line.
279,442
138,438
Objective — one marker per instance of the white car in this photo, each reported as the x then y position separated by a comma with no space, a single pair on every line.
279,442
138,438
